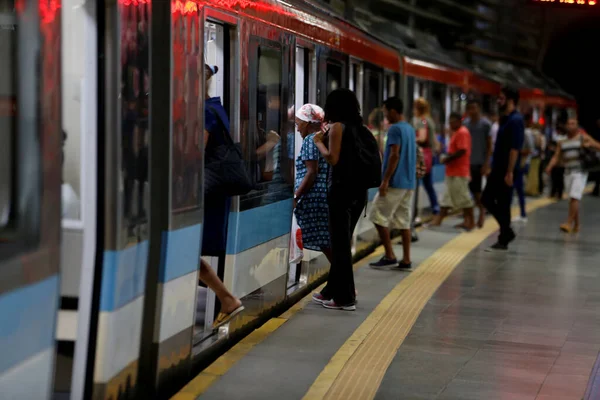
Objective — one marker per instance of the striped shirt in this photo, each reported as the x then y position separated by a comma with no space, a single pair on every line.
571,153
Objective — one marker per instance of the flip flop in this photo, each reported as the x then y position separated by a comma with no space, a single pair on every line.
223,318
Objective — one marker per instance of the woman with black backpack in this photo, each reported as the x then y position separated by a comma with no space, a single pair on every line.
353,154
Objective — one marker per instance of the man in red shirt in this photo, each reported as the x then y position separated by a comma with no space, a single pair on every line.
458,173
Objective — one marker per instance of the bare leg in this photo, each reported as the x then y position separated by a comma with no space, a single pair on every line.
384,234
573,205
576,220
406,246
228,301
437,220
469,218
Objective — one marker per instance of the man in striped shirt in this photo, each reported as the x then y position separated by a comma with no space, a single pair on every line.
569,152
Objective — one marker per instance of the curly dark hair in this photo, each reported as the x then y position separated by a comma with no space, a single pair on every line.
342,106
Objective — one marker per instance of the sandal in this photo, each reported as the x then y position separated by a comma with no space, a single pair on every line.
223,318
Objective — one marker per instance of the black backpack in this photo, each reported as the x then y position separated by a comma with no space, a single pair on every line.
366,166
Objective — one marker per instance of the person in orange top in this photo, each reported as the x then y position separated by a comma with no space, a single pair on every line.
458,174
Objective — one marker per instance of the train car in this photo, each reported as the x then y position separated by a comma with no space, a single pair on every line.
132,306
30,159
134,321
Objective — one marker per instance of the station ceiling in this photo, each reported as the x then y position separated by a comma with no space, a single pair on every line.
470,31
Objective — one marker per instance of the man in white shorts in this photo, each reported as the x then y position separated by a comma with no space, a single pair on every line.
392,206
569,152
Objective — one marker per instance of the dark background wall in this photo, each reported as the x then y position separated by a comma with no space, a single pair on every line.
557,41
572,58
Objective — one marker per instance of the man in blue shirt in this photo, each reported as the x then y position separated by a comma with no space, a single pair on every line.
392,206
507,153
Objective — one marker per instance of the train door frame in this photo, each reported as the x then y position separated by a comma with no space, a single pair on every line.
122,256
256,259
305,92
228,80
73,326
327,56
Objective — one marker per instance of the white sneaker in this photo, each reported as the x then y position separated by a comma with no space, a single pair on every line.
520,219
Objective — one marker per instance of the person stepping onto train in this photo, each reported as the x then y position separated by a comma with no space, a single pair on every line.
216,208
353,154
391,208
310,196
458,170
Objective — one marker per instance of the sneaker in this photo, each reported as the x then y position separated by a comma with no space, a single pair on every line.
511,236
520,219
414,238
403,265
332,305
384,262
319,298
498,247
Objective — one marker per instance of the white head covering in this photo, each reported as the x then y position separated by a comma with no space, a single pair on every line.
311,113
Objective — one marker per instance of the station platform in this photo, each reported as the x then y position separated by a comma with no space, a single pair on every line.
464,324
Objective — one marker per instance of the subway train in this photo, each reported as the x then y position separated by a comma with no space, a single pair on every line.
101,203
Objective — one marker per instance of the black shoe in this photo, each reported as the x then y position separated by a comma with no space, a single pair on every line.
403,265
511,236
498,247
414,238
384,262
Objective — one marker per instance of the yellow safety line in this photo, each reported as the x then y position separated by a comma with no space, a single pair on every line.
210,375
358,367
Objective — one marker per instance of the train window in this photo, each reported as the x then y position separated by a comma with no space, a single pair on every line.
268,111
437,98
410,89
356,81
389,88
459,101
8,88
373,95
334,76
354,77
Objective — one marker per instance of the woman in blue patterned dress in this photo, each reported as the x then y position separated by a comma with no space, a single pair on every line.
310,197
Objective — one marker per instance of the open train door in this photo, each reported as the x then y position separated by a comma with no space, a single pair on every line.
30,163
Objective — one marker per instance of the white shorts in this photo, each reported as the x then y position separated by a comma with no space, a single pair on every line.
393,211
575,184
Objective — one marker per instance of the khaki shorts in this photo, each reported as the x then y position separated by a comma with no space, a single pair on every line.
575,184
393,211
458,195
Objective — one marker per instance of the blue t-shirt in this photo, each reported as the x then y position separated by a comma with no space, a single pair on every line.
402,134
211,124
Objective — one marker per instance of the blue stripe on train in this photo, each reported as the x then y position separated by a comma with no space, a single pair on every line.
250,228
28,321
123,276
181,252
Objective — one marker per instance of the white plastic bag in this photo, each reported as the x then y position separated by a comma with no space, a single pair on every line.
296,249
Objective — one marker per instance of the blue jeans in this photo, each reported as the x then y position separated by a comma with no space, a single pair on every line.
433,200
519,186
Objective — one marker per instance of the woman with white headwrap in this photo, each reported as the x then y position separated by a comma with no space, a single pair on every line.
310,197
